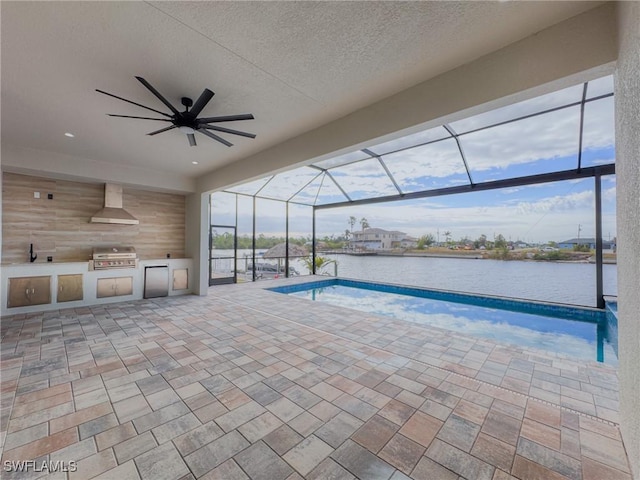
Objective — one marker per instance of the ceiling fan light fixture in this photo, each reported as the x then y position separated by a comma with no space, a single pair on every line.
188,122
186,130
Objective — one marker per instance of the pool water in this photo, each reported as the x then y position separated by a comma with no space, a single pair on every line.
566,332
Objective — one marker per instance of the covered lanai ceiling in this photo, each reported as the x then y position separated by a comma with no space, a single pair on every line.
294,65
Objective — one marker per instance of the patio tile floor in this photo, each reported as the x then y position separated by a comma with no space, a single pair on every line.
247,383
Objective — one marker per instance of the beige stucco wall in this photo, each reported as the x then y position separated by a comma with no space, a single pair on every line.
627,89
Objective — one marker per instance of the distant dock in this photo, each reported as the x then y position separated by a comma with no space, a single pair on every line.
353,254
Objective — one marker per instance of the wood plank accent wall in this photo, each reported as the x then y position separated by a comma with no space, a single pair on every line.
60,227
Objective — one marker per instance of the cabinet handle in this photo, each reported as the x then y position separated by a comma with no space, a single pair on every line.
61,288
26,292
33,290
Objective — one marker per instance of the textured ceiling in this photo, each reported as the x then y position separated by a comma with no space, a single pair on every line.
294,65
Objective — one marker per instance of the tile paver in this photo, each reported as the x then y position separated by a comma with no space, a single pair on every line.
97,425
247,383
402,453
94,465
173,428
329,469
361,462
115,435
260,426
262,463
305,456
162,462
213,454
198,437
375,433
458,461
459,432
427,469
421,428
338,429
283,439
135,446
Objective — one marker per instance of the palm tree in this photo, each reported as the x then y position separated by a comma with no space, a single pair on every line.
364,223
320,262
352,222
447,236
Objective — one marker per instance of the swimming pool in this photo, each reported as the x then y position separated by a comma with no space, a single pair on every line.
572,331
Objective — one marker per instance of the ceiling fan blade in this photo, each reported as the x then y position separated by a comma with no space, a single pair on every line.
157,94
201,102
163,130
228,118
141,118
192,139
134,103
228,130
215,137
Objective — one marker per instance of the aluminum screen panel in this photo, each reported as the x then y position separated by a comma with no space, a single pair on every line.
520,109
408,141
598,139
365,179
437,165
285,185
540,144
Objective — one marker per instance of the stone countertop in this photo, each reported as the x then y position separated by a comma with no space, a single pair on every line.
82,262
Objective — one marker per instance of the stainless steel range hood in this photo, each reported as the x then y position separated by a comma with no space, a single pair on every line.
113,211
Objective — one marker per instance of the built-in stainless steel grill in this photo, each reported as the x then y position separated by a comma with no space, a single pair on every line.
113,257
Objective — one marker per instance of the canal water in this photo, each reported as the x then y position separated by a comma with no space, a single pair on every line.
572,283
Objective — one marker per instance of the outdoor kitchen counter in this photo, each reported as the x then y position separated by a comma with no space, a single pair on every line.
89,281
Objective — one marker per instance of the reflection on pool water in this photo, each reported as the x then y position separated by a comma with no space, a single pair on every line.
578,333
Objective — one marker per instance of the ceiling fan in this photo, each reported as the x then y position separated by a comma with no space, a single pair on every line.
188,122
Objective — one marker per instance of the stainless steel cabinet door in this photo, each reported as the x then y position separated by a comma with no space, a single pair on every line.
25,291
124,286
106,287
181,279
70,288
156,281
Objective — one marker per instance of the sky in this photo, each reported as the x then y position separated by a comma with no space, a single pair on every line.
536,214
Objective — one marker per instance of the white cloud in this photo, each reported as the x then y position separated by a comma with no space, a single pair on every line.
552,135
550,218
599,124
558,203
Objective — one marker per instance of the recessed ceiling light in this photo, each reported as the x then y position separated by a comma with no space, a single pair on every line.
70,135
194,162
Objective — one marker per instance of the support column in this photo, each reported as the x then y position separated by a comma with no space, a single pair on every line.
286,243
313,243
599,274
197,239
253,242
